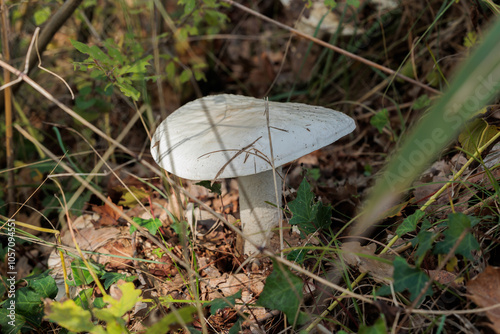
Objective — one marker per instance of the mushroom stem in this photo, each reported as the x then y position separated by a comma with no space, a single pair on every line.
258,218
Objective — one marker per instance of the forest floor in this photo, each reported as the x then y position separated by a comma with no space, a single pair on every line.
164,253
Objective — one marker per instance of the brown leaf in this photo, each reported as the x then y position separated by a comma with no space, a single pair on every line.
483,291
445,277
378,269
108,216
120,247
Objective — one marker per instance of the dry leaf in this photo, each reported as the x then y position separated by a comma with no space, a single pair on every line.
108,216
379,270
483,291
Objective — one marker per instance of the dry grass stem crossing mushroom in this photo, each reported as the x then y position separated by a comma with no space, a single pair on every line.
226,136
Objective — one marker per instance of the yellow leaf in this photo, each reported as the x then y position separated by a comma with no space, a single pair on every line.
129,198
476,134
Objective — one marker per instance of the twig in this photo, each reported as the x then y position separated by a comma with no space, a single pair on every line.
278,194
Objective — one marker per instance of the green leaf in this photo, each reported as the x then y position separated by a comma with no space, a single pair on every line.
215,187
354,3
163,326
308,215
215,18
297,255
83,48
170,70
137,67
470,39
117,308
151,224
41,15
331,4
96,53
410,223
81,273
114,52
28,302
11,323
220,303
112,277
323,217
457,223
424,240
283,291
129,91
189,5
132,195
422,102
185,76
83,299
43,284
70,316
378,328
406,277
302,208
99,303
236,328
380,120
314,173
193,330
180,227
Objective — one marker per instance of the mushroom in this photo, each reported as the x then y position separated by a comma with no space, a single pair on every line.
226,136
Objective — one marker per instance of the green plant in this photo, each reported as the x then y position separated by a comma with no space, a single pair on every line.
74,318
283,291
22,310
125,68
453,237
308,214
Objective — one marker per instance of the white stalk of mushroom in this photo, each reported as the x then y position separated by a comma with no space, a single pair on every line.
226,136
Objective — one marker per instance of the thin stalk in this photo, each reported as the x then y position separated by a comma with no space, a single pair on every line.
8,110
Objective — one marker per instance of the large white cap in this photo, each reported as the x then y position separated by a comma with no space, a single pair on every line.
204,139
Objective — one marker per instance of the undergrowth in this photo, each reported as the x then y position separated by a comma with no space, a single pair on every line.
392,229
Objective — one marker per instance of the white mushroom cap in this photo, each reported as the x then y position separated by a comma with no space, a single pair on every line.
202,139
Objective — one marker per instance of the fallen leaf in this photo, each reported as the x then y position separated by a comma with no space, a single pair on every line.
130,198
109,217
483,291
120,247
446,278
365,259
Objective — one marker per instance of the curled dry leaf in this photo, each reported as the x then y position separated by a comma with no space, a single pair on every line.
483,291
108,216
